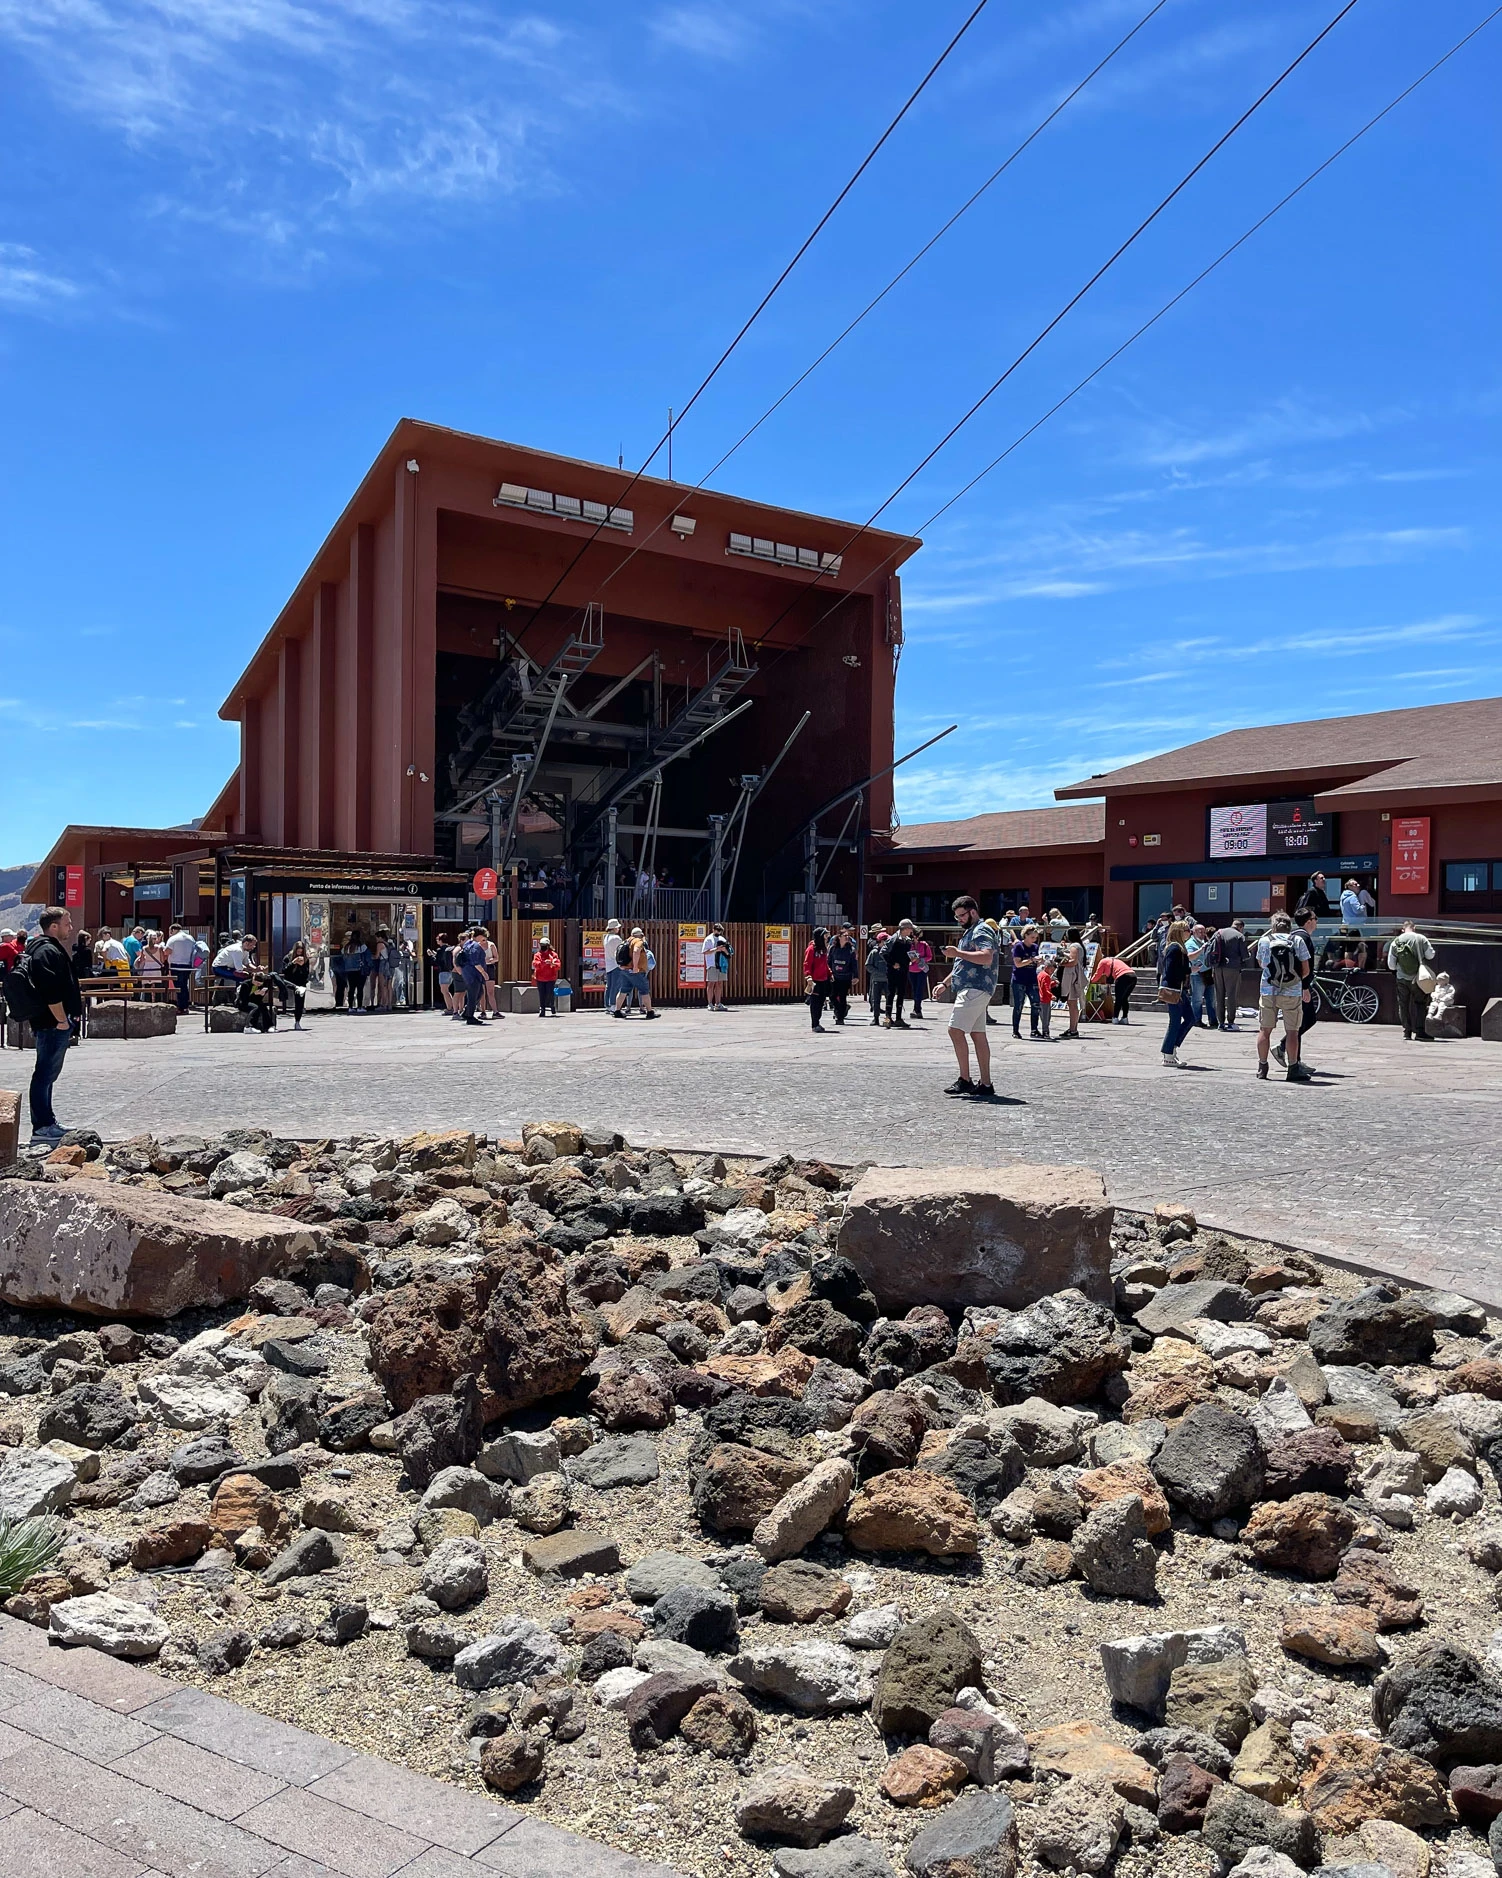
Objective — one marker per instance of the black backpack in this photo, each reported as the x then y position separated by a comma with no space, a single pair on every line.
1282,962
21,997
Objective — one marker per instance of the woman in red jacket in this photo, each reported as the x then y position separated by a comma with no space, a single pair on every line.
816,974
545,968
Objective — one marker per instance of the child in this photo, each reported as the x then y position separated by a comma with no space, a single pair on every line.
545,968
1045,999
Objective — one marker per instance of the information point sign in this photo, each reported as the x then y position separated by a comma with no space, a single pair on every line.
485,883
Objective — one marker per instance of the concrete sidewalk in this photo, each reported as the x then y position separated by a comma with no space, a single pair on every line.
110,1771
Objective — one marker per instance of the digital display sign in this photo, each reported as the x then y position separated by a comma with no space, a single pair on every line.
1271,830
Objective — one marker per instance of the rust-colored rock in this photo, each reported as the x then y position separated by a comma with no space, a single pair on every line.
1345,1638
115,1251
1350,1778
785,1374
590,1623
1116,1482
912,1512
176,1543
888,1430
1306,1534
508,1322
922,1776
626,1399
1482,1376
1368,1578
1165,1398
241,1502
1080,1748
722,1723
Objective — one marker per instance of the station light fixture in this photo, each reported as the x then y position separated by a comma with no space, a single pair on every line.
683,525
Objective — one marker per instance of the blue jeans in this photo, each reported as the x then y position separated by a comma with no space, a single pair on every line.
52,1047
1202,999
1180,1023
1026,988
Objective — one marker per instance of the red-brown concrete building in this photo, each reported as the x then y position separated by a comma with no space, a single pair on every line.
501,657
1407,802
1034,858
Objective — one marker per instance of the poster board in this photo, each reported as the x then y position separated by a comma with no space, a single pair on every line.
691,956
592,958
1410,854
539,933
777,966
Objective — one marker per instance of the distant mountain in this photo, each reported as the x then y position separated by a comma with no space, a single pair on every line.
12,910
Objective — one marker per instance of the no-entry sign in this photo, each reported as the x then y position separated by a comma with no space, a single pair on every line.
485,883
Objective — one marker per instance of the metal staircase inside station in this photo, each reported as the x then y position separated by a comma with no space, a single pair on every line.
516,713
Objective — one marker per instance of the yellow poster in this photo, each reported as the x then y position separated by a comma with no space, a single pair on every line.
691,956
778,971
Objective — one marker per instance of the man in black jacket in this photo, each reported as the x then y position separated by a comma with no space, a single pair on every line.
1314,899
56,1011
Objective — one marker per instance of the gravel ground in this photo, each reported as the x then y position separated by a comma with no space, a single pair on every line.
1040,1644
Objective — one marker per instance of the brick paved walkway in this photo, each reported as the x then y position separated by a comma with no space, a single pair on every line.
1390,1160
110,1771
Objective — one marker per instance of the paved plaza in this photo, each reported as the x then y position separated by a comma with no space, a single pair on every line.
1389,1160
108,1770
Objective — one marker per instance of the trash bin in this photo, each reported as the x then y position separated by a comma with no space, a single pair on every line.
563,997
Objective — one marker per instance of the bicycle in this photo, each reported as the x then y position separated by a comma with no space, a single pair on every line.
1357,1004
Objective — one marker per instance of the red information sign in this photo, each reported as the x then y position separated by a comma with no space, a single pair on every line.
74,887
1410,854
485,883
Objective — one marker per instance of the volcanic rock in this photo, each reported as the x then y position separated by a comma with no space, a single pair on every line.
912,1512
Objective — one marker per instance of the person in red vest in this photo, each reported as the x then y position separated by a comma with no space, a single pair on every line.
546,965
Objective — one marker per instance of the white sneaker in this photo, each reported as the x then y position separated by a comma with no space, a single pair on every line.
1169,1061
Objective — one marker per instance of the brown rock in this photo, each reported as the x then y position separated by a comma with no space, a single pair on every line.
590,1623
173,1544
722,1724
785,1374
508,1322
912,1512
110,1250
1119,1480
1438,1442
1306,1534
1214,1698
1165,1398
511,1760
1476,1793
639,1309
1267,1764
801,1592
632,1398
966,1235
33,1603
1184,1789
787,1803
449,1147
1315,1460
1482,1376
240,1502
10,1126
887,1430
922,1776
1350,1421
1078,1748
1043,1563
1345,1638
1381,1842
1369,1578
1350,1779
656,1707
571,1554
739,1486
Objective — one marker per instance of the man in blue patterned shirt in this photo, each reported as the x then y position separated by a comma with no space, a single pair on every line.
972,978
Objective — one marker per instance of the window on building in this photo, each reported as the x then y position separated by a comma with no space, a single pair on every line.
1471,887
1212,899
937,909
1251,896
1153,897
1077,904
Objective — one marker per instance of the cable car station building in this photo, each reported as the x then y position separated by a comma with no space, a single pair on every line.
505,658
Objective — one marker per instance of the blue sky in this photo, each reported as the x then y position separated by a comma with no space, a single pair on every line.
239,238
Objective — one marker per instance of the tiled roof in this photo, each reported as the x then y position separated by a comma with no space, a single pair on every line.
1016,829
1433,747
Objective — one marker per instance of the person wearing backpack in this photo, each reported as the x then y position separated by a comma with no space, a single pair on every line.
637,976
42,990
878,985
1407,956
1284,957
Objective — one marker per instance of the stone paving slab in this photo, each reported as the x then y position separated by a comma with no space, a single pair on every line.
187,1785
1387,1161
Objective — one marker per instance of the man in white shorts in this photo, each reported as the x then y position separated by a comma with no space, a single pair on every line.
972,978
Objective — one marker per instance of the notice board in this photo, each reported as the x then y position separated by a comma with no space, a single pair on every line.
1410,854
777,970
691,956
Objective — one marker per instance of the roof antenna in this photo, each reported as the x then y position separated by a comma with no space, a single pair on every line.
620,456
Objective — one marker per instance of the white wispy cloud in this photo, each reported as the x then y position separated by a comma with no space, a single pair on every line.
26,283
282,117
1288,421
711,32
